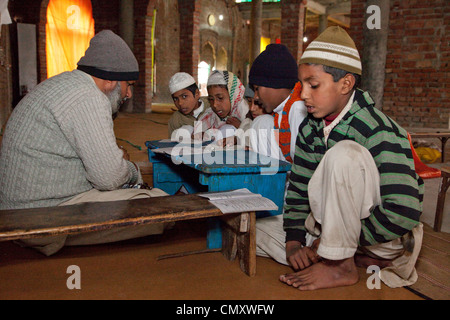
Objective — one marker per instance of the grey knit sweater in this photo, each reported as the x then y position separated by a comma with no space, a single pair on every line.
58,143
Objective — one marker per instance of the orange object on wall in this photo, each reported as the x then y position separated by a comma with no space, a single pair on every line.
69,29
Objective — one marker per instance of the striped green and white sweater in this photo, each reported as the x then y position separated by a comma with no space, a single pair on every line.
401,188
60,142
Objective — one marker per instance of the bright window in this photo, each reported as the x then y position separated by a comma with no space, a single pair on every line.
204,70
69,29
264,43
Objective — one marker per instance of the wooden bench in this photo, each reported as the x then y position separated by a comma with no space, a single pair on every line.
443,136
443,187
238,229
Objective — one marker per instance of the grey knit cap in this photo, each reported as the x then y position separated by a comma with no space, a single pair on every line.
249,93
110,58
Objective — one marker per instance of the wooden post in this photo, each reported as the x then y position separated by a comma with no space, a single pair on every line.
239,240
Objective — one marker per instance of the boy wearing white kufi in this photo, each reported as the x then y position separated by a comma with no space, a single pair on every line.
190,106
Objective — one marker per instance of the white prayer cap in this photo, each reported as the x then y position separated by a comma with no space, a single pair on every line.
180,81
218,78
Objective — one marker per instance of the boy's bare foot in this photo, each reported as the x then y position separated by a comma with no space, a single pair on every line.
363,261
325,274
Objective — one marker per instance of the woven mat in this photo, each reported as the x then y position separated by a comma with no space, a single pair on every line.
433,266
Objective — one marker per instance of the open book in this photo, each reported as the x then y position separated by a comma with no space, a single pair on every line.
241,200
185,150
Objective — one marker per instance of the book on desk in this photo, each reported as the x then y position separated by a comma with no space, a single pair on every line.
209,157
241,200
220,171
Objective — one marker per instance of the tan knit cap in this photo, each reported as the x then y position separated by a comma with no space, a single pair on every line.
333,48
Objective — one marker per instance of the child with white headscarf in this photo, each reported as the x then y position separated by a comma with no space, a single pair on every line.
228,107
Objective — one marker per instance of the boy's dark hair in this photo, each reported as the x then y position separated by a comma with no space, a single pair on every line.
338,74
218,85
193,88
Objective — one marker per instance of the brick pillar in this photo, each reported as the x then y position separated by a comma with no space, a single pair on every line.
189,36
143,91
41,42
292,26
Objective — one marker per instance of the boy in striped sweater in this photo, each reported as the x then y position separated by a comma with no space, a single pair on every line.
354,198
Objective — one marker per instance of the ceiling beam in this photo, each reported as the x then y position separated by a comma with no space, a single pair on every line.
316,7
335,13
340,8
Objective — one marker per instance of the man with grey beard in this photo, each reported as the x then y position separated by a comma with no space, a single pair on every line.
59,146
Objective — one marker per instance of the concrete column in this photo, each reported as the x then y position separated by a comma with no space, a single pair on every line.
323,23
255,29
293,24
375,50
126,21
126,31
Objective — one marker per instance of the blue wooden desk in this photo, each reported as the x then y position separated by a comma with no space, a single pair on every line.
239,169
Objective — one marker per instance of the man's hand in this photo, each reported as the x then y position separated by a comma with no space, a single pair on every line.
300,257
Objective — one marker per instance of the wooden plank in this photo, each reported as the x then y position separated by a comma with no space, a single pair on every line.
240,236
239,240
443,187
443,136
96,216
230,230
418,135
246,243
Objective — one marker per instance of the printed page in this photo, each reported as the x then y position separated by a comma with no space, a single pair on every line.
246,204
241,200
180,151
239,193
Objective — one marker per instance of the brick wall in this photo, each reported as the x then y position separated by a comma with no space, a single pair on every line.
5,76
189,41
228,37
177,38
167,48
417,84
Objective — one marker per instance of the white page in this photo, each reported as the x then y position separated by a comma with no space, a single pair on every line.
179,151
244,204
239,193
241,200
